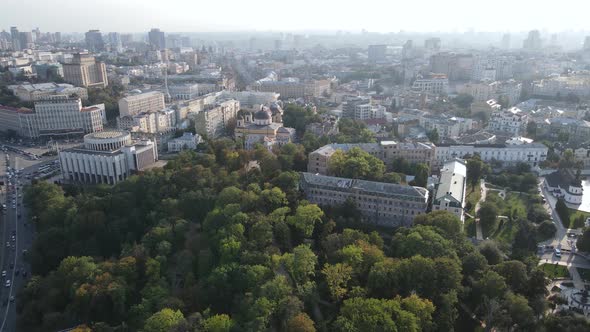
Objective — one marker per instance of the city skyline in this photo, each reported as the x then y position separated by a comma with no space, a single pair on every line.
263,15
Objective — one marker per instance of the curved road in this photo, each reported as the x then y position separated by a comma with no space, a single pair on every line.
14,224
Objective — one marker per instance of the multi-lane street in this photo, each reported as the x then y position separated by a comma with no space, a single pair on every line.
16,234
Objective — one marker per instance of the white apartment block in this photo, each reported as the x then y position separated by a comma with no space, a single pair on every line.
450,189
437,84
213,120
107,157
144,102
512,121
447,127
385,204
510,154
368,111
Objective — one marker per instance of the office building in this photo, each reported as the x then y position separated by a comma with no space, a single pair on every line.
214,119
40,91
143,102
62,115
21,121
26,40
115,42
85,71
384,204
251,100
450,189
432,44
15,39
94,41
533,41
376,53
190,91
157,39
107,157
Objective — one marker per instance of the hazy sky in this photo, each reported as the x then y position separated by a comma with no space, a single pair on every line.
284,15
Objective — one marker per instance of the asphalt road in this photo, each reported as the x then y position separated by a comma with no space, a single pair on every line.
15,222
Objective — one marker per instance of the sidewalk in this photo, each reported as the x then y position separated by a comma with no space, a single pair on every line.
482,198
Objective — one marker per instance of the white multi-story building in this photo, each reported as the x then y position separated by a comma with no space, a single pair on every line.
385,204
450,189
251,100
107,157
62,115
190,91
188,141
40,91
510,154
143,102
22,120
447,127
512,121
435,84
214,119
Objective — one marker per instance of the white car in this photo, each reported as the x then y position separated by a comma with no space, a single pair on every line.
7,284
4,274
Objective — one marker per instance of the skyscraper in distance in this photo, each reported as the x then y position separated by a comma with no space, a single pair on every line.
157,39
94,41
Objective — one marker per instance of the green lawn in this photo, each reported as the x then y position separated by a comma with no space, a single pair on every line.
514,205
584,273
555,271
574,215
506,231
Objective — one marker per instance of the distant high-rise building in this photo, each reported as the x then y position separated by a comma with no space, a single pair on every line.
26,40
126,38
432,44
57,37
115,42
408,50
86,71
15,38
533,41
376,52
506,41
94,41
278,44
157,39
587,43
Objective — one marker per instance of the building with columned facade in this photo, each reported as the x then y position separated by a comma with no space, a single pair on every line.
107,157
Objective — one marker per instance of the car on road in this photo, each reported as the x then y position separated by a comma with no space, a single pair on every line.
7,284
12,298
11,266
557,252
4,274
